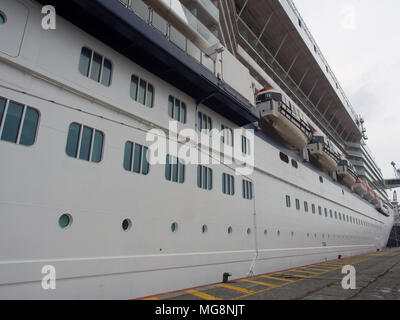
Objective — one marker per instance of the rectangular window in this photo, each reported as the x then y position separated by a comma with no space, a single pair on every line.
142,91
204,123
228,184
247,190
320,210
305,206
83,144
288,204
136,158
297,204
326,212
18,122
245,145
174,170
204,178
176,109
313,208
95,67
227,135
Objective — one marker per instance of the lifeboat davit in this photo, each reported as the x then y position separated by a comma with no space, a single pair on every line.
346,173
360,187
283,117
323,153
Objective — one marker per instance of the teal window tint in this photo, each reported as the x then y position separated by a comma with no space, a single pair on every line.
12,122
168,168
2,19
97,147
244,189
232,180
204,180
297,204
106,76
313,208
183,113
142,91
174,169
177,110
128,156
224,183
96,67
209,179
326,212
320,210
134,87
2,107
86,143
199,121
73,139
84,62
171,106
209,123
150,96
305,206
145,162
29,128
137,158
199,180
204,122
181,172
288,201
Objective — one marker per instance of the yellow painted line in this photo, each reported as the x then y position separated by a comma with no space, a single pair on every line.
152,298
280,279
304,271
261,283
202,295
293,274
321,268
315,269
227,286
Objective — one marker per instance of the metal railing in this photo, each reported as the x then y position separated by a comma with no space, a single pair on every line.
152,18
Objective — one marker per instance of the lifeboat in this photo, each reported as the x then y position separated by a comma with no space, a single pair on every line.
323,152
283,117
360,187
376,199
346,173
369,195
382,208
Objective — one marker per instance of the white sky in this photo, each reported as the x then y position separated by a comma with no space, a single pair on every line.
360,39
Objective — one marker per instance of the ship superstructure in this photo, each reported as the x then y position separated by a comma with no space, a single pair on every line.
80,193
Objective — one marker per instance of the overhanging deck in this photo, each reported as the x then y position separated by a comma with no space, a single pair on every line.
122,30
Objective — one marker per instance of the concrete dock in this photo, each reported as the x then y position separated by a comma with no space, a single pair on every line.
377,277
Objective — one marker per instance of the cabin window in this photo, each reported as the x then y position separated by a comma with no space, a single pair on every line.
136,158
320,210
84,143
142,91
174,169
247,188
177,109
204,123
245,145
326,212
330,213
295,164
321,179
2,18
95,66
288,204
204,178
284,157
227,135
297,204
336,215
305,206
228,184
313,208
18,123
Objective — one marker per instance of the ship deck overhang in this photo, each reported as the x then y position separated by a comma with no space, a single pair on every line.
273,32
122,30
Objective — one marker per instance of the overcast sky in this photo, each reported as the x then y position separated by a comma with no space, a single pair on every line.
361,41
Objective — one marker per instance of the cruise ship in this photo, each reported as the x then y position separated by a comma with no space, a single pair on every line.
87,87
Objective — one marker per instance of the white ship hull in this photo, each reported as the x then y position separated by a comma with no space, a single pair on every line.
94,258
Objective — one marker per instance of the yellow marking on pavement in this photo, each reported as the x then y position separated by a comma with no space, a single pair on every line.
322,268
202,295
152,298
293,274
227,286
315,269
261,283
304,271
280,279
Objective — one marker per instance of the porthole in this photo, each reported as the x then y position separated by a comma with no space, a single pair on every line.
65,221
230,230
174,227
204,229
3,18
126,224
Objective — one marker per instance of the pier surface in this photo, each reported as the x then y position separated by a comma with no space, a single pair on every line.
377,277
